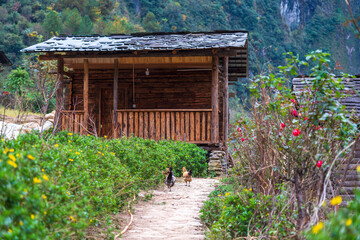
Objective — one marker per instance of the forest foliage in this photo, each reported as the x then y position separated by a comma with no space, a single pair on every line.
23,20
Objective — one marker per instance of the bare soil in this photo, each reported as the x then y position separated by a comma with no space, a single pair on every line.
171,215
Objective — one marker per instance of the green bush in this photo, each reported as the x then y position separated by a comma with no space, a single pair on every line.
343,224
234,211
57,188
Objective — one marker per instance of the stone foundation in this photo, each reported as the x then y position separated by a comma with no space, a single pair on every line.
218,162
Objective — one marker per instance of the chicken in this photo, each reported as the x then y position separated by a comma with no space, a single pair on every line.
170,179
187,176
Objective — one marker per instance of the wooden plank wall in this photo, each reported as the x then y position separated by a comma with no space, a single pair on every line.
161,89
190,125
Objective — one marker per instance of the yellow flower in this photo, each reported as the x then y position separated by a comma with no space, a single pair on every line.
358,168
32,216
56,145
36,180
71,159
227,194
67,192
21,223
2,139
77,153
105,136
219,195
69,141
70,134
12,157
336,200
43,196
224,207
88,135
18,155
72,218
46,178
30,157
42,170
113,153
12,150
6,150
90,220
11,163
10,231
70,150
250,189
316,229
99,152
348,222
45,212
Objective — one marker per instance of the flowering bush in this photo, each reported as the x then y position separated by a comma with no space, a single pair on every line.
294,137
58,188
343,224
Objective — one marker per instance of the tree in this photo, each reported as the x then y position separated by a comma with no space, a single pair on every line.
150,24
86,26
78,4
52,24
106,6
72,20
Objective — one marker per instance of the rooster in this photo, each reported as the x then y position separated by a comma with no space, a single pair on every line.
187,176
170,179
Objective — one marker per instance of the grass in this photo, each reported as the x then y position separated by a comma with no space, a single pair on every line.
14,113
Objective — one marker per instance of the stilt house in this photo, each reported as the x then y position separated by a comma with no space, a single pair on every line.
157,86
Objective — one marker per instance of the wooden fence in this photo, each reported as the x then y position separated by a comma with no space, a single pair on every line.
190,125
73,121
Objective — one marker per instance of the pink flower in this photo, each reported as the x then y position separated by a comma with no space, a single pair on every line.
305,118
293,101
239,129
296,132
319,163
294,113
283,125
242,139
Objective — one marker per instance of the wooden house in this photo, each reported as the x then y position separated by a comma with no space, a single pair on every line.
157,86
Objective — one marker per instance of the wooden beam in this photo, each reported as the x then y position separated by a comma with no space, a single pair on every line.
215,100
226,101
59,92
116,81
199,52
86,93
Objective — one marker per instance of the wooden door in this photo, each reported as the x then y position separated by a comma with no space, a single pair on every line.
106,116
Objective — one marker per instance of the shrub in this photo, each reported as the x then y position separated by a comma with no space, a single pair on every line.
234,211
57,188
343,224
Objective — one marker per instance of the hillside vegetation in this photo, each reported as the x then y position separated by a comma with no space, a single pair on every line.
273,30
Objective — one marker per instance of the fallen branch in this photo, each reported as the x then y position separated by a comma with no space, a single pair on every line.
131,220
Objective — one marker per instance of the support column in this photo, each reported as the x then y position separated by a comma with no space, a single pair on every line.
215,100
86,93
59,93
116,81
226,97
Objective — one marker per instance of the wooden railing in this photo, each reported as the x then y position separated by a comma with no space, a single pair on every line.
73,121
190,125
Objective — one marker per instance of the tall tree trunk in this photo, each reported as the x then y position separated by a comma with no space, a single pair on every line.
300,195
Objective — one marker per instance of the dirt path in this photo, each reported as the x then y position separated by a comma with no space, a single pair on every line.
172,215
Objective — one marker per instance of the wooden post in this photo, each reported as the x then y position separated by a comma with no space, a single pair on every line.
215,100
116,81
226,102
59,93
86,93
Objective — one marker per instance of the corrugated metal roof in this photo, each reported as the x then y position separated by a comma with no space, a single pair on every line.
138,42
352,102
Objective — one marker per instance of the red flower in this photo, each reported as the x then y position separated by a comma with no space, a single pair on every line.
239,129
234,149
319,163
305,118
293,101
6,92
296,132
318,127
294,113
283,125
242,139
